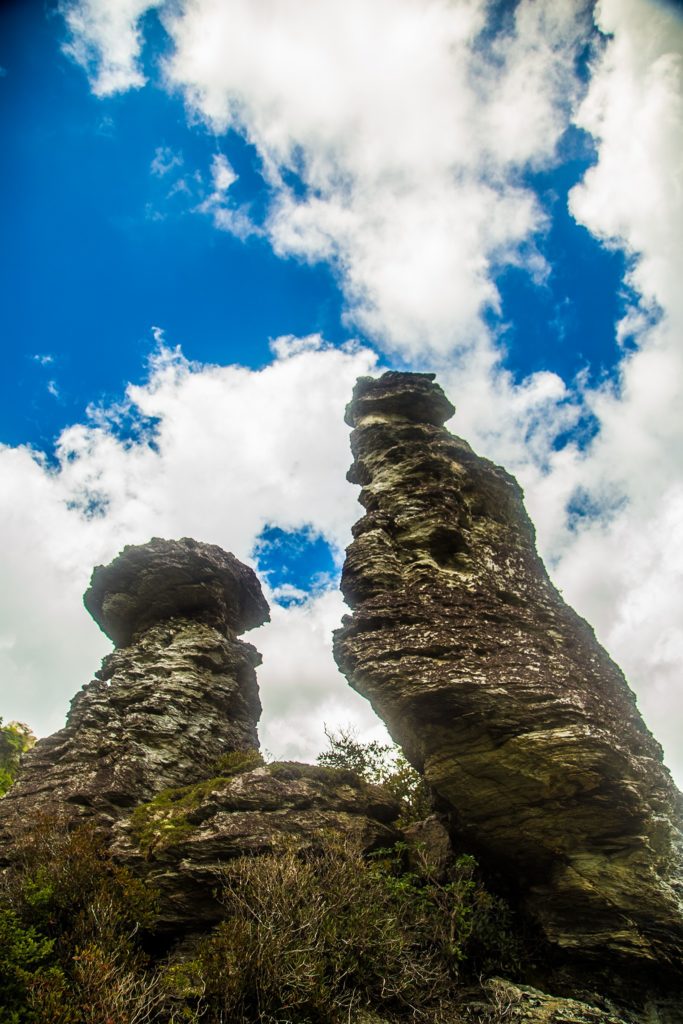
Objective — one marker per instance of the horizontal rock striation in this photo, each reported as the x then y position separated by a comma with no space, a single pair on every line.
178,692
498,691
181,842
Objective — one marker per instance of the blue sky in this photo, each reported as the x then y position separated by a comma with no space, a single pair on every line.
215,216
96,252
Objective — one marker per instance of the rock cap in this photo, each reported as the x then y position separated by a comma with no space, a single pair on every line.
147,583
414,396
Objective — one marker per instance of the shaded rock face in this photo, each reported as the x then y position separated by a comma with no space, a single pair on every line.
181,846
498,691
178,692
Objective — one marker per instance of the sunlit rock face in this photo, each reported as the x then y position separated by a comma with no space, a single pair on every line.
178,691
498,691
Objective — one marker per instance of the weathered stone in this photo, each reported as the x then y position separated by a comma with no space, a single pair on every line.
499,692
181,842
147,583
502,1001
430,850
162,709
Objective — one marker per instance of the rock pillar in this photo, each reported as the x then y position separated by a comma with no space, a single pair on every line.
498,691
178,691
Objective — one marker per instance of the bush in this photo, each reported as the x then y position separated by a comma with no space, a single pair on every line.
69,926
15,739
25,957
316,937
384,765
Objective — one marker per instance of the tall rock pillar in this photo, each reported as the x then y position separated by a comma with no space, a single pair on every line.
178,691
498,691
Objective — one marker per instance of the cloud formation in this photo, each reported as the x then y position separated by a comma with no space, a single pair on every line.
394,138
106,39
405,135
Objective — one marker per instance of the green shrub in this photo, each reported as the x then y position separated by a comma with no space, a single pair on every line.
25,958
237,761
315,937
383,765
65,883
69,926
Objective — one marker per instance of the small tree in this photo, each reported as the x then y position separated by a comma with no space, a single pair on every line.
382,764
15,739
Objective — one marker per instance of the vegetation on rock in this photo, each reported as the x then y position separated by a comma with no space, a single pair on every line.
307,936
163,820
320,937
70,925
15,739
382,764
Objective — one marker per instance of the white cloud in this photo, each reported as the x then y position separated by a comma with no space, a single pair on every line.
408,134
406,129
165,160
625,572
222,173
226,215
234,450
105,39
301,687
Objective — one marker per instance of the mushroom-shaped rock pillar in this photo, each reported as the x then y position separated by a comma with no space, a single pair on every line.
177,693
148,583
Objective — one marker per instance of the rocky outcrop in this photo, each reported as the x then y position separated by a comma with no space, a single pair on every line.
181,841
502,1001
499,692
178,691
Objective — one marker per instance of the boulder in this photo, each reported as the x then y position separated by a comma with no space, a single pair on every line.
181,842
163,579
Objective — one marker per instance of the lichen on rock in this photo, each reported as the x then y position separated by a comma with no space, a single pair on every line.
499,692
178,692
181,840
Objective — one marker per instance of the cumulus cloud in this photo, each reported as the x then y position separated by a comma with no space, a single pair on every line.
225,451
406,134
625,569
393,137
405,128
106,39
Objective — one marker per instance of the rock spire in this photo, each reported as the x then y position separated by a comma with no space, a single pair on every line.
499,692
178,692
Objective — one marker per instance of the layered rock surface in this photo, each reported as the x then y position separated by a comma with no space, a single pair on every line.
498,691
178,691
182,842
